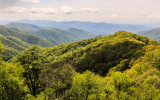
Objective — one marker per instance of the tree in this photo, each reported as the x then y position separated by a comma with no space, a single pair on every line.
58,81
1,49
121,81
33,63
11,82
87,86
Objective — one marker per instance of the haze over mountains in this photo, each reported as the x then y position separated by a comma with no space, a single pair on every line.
19,36
93,27
54,35
24,26
153,34
98,28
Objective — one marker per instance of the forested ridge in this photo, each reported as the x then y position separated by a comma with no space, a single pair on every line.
16,37
121,66
15,42
153,34
54,35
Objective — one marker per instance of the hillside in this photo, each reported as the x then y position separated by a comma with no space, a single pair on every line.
58,36
97,53
153,34
121,66
13,46
78,33
54,35
24,37
15,42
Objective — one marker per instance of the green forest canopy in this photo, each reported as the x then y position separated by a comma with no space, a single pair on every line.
121,66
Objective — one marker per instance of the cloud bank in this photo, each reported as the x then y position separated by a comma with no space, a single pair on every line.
48,10
31,1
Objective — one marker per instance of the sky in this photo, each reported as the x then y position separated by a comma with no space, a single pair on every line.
111,11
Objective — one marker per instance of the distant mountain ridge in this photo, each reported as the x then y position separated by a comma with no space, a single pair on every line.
18,36
16,41
23,26
153,34
54,35
28,38
100,28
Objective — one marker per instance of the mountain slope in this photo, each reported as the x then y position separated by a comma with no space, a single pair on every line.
98,54
153,34
54,35
15,42
23,26
129,66
24,37
13,46
79,34
58,36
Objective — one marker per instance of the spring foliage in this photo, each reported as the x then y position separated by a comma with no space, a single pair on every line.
122,66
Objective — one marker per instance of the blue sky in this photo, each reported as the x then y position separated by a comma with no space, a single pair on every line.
113,11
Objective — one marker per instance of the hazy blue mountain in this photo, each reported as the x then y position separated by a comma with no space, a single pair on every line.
54,35
93,27
79,34
153,34
23,26
5,22
21,36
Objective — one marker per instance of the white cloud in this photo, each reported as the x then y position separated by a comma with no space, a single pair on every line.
67,10
49,10
15,10
128,15
31,10
143,14
31,1
44,10
92,10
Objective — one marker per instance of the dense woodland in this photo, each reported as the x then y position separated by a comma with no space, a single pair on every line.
121,66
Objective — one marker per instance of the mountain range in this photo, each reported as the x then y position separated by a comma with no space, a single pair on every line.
16,41
98,28
153,34
120,66
18,36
